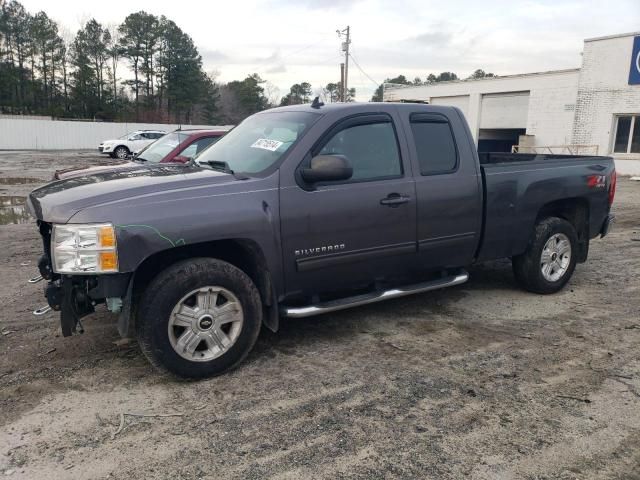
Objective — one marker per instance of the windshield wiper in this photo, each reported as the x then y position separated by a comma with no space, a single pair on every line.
224,167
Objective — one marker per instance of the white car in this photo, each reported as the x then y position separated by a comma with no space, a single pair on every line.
129,143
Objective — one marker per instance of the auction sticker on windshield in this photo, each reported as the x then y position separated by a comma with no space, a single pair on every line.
266,144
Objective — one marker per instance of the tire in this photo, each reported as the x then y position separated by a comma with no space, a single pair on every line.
544,267
121,152
168,305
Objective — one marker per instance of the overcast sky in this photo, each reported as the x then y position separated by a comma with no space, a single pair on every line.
292,41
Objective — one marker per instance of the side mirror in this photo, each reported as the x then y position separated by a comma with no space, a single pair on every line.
327,168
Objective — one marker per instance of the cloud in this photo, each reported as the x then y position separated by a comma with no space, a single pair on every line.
213,56
433,38
295,40
277,69
272,58
319,4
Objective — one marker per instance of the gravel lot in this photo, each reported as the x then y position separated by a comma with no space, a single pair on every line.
478,381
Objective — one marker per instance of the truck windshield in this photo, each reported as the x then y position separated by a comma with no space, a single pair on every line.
259,141
159,149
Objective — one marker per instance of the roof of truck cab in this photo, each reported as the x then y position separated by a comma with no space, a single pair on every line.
332,107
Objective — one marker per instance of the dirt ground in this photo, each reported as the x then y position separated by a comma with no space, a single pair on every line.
480,381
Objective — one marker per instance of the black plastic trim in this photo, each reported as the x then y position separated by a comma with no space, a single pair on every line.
427,243
333,259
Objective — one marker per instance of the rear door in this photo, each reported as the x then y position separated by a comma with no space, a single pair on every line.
340,233
147,138
448,188
138,141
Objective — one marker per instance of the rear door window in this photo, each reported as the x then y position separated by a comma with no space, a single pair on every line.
435,145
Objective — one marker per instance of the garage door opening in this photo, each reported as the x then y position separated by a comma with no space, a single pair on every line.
499,139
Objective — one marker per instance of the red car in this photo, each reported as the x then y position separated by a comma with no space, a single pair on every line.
175,147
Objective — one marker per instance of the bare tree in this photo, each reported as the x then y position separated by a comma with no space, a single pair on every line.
114,51
272,92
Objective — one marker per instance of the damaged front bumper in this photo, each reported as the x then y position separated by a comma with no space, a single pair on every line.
76,296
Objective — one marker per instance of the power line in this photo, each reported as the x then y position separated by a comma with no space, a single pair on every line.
280,61
305,47
377,84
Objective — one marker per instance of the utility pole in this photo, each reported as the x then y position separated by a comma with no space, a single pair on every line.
341,93
345,48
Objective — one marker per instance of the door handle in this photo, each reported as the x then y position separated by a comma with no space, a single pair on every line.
394,200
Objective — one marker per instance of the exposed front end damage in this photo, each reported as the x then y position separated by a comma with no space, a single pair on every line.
76,296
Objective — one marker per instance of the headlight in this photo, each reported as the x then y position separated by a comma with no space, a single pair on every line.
84,249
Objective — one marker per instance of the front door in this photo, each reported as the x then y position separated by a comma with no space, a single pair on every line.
359,230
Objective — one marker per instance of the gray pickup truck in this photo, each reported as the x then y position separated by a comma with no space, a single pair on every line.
304,210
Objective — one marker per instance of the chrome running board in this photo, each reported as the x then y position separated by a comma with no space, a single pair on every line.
358,300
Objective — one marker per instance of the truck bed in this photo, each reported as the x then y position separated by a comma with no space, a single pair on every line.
492,158
517,185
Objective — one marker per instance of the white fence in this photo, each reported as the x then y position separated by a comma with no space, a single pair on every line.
30,134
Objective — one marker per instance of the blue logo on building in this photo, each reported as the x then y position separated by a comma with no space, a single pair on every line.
634,73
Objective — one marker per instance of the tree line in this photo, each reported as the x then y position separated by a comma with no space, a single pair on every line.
47,71
429,80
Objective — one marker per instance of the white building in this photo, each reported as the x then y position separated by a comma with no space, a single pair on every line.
593,109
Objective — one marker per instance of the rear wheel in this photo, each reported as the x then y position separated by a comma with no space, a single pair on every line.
199,318
550,259
121,152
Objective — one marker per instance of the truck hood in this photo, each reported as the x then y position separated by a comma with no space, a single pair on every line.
58,201
65,173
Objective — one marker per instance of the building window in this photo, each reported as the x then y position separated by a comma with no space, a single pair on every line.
627,138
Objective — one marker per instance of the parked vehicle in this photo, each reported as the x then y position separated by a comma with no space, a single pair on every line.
127,144
304,210
175,147
179,146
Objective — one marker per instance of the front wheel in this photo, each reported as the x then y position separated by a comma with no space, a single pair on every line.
550,259
121,152
199,318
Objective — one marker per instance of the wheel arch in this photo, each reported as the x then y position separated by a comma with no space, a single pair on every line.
245,254
575,211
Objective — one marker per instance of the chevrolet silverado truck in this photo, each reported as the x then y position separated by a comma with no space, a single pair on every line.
303,210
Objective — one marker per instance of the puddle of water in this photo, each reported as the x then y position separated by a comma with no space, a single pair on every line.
19,180
13,210
11,200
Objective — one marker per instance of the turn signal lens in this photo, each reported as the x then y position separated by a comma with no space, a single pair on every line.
106,237
108,262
